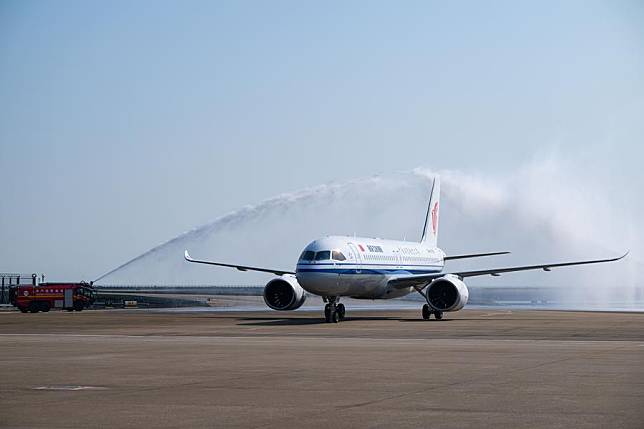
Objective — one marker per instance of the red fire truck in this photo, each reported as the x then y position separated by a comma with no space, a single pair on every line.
45,296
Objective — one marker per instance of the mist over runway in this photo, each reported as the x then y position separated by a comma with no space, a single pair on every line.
542,212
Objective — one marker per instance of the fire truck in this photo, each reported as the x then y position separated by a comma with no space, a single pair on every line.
45,296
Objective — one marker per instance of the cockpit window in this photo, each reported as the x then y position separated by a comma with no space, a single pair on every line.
321,256
307,255
338,256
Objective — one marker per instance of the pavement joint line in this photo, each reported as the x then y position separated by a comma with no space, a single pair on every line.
271,338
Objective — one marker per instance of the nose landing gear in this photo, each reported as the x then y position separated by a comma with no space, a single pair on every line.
333,311
427,313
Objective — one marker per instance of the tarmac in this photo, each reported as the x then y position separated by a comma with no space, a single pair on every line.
377,369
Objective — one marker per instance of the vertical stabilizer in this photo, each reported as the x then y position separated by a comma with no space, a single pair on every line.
430,230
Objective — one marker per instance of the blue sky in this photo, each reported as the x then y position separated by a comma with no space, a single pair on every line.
125,123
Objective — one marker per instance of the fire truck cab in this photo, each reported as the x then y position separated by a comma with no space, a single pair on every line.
45,296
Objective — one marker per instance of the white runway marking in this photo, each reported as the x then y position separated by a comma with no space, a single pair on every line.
69,388
501,313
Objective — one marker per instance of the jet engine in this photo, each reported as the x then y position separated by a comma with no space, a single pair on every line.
447,293
284,293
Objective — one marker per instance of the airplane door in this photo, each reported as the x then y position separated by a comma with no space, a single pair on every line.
356,257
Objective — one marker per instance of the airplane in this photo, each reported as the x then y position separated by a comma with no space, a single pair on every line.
370,268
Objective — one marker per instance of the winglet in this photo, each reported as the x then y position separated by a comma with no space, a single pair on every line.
186,256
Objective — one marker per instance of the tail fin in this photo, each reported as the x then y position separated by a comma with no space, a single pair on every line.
430,230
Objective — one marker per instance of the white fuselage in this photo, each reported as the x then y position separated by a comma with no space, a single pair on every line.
361,267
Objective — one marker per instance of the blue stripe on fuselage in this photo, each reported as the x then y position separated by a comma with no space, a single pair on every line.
380,269
366,270
339,264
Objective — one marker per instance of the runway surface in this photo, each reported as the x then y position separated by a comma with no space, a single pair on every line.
479,368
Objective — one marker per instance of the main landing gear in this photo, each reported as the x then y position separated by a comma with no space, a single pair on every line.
427,313
333,310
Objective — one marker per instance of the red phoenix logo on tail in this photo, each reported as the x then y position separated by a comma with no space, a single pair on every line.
435,217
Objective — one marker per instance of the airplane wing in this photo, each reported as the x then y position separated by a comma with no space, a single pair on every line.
474,255
239,267
423,280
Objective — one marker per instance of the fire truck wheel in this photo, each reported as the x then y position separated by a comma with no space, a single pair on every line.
22,310
44,307
33,307
78,306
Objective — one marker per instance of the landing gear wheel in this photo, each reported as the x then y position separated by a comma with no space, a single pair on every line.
341,311
333,310
438,315
426,312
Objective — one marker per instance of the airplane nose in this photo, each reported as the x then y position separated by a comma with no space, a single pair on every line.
317,283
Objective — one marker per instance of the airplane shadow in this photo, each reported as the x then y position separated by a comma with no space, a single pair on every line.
281,321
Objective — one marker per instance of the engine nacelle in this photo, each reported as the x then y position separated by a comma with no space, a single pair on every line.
447,293
284,293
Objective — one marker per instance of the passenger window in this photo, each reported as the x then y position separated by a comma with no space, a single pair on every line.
307,255
338,256
323,255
